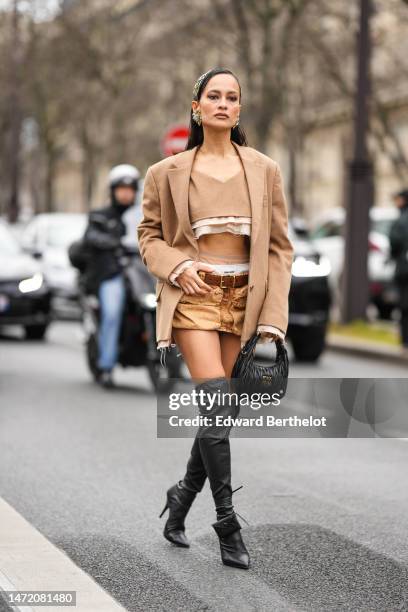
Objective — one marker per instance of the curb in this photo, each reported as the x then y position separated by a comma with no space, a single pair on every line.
372,350
30,562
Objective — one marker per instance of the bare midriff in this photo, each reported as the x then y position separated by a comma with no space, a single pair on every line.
223,248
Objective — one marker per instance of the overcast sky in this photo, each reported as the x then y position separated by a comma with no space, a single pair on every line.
44,9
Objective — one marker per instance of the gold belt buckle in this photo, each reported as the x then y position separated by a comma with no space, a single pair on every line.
221,285
226,286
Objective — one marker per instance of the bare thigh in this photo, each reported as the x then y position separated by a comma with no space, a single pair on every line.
207,354
230,347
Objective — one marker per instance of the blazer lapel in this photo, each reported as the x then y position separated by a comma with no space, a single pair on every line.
179,178
255,176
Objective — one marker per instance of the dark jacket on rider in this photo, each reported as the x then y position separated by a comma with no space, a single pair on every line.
102,244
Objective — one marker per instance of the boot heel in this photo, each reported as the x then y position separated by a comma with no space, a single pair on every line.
164,510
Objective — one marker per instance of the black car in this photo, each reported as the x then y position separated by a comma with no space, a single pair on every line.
24,296
309,300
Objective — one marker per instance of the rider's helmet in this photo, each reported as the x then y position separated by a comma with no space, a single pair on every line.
124,174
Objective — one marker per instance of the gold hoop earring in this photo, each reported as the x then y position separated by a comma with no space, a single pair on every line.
197,117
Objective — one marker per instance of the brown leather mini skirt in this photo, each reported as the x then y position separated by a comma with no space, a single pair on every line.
222,309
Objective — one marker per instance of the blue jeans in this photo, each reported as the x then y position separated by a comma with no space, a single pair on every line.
112,294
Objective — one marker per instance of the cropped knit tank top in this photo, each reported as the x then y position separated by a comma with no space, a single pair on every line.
219,206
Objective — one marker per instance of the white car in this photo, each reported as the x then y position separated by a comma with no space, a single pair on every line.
327,234
47,237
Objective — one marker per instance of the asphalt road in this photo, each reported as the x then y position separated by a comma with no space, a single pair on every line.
328,517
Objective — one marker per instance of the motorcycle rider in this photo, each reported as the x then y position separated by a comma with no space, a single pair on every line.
103,273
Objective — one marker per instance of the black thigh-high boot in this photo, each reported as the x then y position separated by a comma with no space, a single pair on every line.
195,476
181,495
215,452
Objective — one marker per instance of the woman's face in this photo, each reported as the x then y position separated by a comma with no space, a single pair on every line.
219,103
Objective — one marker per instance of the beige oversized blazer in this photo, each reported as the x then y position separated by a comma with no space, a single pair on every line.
166,238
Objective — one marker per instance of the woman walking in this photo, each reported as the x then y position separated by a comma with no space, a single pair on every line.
214,233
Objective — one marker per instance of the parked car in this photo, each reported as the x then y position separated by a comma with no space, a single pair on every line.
309,299
47,238
24,294
328,236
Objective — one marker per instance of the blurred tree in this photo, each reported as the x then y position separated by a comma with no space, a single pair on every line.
262,31
102,81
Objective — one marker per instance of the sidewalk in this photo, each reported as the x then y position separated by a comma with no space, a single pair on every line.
30,562
379,339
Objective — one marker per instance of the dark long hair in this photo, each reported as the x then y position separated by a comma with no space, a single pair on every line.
196,136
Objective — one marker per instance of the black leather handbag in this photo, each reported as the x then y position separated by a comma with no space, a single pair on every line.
251,377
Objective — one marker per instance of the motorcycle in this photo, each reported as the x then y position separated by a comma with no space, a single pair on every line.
137,339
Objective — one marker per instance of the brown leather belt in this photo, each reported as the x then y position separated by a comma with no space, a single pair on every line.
224,280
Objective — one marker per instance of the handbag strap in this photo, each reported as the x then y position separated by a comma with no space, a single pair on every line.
250,346
251,343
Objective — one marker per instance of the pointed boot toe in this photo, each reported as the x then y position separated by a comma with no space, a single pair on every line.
232,547
176,537
233,551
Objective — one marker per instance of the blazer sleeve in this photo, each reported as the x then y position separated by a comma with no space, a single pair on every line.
158,256
275,309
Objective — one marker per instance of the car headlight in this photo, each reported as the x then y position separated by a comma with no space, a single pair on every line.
31,284
305,267
148,300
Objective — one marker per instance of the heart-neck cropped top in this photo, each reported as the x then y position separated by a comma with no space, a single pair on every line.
216,206
219,205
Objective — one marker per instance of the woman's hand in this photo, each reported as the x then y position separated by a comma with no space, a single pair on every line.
191,283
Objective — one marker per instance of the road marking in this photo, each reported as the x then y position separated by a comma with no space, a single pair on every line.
201,572
30,562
